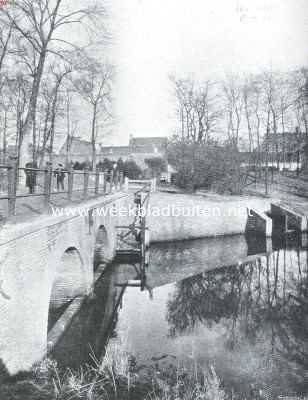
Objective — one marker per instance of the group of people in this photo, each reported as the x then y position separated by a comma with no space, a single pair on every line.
31,170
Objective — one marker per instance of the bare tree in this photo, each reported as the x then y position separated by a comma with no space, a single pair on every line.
197,107
300,105
18,90
71,123
271,105
6,33
94,85
37,22
59,75
234,105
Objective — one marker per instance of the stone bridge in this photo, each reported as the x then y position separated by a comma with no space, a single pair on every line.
51,259
38,261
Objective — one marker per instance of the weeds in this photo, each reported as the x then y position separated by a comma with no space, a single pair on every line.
117,377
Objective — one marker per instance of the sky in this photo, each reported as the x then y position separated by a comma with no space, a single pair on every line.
198,38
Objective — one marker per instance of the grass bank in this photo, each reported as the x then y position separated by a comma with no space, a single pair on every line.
117,377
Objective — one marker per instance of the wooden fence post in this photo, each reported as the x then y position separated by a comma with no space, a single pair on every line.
47,186
121,180
105,182
111,181
153,185
12,180
97,176
126,183
116,180
70,183
85,182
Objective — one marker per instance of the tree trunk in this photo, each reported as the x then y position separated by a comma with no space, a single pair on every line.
5,139
53,120
93,137
25,154
68,135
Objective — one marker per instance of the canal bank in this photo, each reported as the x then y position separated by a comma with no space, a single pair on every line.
245,309
176,216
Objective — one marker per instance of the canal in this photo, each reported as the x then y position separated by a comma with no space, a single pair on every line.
235,304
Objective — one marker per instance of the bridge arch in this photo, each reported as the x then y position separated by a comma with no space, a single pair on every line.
102,247
70,278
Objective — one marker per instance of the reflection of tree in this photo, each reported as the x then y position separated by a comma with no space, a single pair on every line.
188,307
263,300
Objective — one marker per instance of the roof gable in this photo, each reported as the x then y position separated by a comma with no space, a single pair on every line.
148,141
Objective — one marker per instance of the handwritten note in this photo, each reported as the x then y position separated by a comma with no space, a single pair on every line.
254,12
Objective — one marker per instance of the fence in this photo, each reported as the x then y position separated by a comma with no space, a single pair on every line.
47,187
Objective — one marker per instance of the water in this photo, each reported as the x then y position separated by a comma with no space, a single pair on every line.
237,305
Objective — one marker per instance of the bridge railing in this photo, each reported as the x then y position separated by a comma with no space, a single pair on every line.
46,186
141,185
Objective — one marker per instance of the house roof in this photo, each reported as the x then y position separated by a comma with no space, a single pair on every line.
148,141
78,146
120,151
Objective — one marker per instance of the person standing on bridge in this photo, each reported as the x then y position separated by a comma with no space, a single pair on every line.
30,171
60,175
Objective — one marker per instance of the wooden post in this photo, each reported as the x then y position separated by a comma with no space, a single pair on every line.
286,223
70,183
97,182
153,185
12,180
105,182
126,183
116,181
85,182
47,186
111,182
121,180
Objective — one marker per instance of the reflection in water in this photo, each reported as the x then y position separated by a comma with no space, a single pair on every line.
92,327
249,319
259,307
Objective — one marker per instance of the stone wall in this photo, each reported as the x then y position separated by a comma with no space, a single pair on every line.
221,215
35,256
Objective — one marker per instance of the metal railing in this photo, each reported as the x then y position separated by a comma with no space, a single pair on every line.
46,185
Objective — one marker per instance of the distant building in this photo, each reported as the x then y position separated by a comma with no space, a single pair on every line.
76,150
138,149
149,145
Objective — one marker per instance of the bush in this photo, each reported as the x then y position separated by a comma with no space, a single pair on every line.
132,170
205,165
156,164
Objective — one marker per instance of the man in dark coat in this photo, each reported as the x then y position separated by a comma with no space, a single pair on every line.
30,171
60,175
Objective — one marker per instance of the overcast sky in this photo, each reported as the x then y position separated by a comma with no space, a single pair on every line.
201,38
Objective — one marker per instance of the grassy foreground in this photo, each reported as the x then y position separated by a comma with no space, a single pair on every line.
118,377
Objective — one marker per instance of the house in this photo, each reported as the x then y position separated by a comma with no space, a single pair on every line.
77,149
138,149
148,144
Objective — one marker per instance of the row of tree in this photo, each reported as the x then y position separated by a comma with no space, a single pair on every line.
46,77
253,113
243,109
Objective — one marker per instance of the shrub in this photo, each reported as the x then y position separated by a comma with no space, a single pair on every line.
205,165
